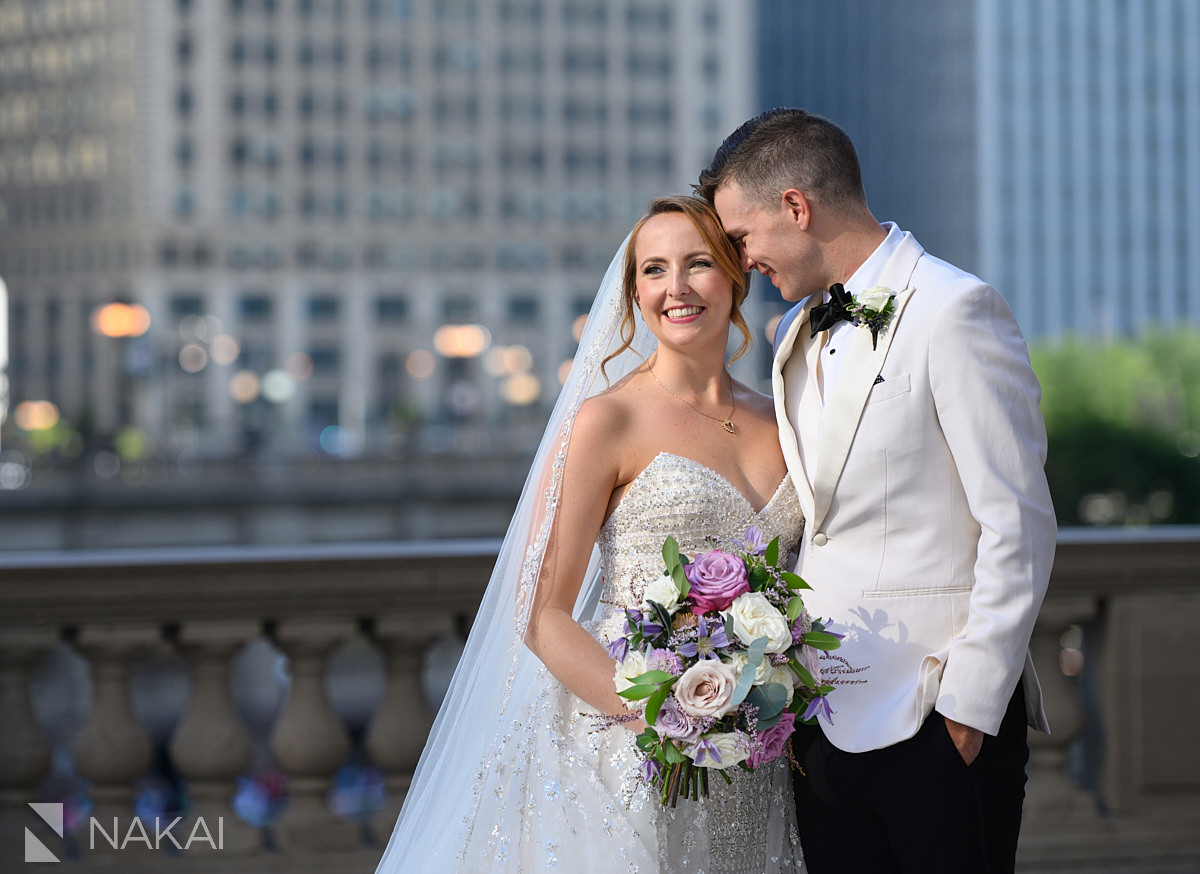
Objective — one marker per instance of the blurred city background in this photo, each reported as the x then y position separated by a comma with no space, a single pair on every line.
310,270
287,288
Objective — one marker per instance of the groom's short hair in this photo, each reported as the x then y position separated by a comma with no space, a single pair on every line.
787,148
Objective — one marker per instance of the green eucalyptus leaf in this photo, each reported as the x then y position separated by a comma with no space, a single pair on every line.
745,681
795,607
770,699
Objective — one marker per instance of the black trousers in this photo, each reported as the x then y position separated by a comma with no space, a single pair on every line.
915,807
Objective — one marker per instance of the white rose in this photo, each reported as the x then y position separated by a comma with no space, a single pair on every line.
661,590
633,666
754,616
732,748
706,688
766,673
875,298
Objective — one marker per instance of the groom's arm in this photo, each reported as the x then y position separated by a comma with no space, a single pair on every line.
987,397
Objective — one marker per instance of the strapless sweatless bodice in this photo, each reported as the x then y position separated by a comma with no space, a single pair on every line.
679,496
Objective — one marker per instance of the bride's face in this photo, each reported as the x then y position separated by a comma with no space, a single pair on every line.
683,295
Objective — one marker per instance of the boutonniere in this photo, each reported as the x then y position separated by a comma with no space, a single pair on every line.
873,309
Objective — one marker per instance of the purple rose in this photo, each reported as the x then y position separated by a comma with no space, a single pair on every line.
717,578
773,740
672,722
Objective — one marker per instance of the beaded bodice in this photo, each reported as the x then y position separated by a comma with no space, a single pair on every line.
677,496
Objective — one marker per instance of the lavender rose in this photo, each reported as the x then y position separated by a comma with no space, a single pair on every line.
674,723
706,688
773,740
716,578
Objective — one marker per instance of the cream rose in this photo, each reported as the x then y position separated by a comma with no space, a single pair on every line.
754,616
705,689
875,298
732,748
633,666
661,590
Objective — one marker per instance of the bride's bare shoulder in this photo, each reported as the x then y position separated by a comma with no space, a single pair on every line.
612,411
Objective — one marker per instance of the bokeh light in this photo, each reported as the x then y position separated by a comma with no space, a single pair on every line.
337,440
420,364
244,386
224,349
278,386
577,327
564,371
132,444
507,360
299,366
461,341
35,415
193,358
522,389
121,320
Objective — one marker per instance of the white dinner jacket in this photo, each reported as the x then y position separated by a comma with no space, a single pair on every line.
930,531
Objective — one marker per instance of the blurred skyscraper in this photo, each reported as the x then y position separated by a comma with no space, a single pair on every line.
1048,145
336,213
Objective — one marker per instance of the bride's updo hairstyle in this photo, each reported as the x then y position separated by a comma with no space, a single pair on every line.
704,218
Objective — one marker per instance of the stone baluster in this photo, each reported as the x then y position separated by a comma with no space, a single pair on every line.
25,752
211,746
113,749
397,732
1052,797
309,740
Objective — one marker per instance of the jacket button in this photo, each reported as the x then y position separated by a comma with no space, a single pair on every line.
819,539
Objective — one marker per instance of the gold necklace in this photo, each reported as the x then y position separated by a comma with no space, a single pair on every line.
726,423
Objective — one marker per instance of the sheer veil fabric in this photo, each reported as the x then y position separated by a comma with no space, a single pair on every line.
461,771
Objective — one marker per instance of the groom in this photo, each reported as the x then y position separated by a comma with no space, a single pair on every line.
909,418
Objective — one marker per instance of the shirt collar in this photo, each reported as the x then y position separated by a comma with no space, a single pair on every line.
869,271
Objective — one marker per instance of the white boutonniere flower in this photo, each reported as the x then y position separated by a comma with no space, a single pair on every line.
873,309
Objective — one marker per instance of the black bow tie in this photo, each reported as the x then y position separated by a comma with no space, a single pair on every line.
825,316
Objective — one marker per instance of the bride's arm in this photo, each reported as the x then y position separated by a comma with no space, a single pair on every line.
591,473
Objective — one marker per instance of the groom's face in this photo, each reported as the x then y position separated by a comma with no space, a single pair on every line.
772,240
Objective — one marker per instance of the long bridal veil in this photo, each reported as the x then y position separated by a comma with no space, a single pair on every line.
496,676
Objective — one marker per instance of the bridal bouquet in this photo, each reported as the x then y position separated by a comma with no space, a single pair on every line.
721,659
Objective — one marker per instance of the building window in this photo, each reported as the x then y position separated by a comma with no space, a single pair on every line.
523,310
391,308
458,310
185,203
184,102
323,308
256,308
184,305
325,359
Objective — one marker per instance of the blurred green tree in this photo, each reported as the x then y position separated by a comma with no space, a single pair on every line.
1123,422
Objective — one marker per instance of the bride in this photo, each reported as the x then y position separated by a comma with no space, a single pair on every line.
531,764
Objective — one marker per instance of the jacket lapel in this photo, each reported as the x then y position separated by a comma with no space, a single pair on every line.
792,343
844,407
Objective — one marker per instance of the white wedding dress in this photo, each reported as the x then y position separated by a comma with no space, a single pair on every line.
556,793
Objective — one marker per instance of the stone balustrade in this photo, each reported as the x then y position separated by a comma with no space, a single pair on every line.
1117,780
